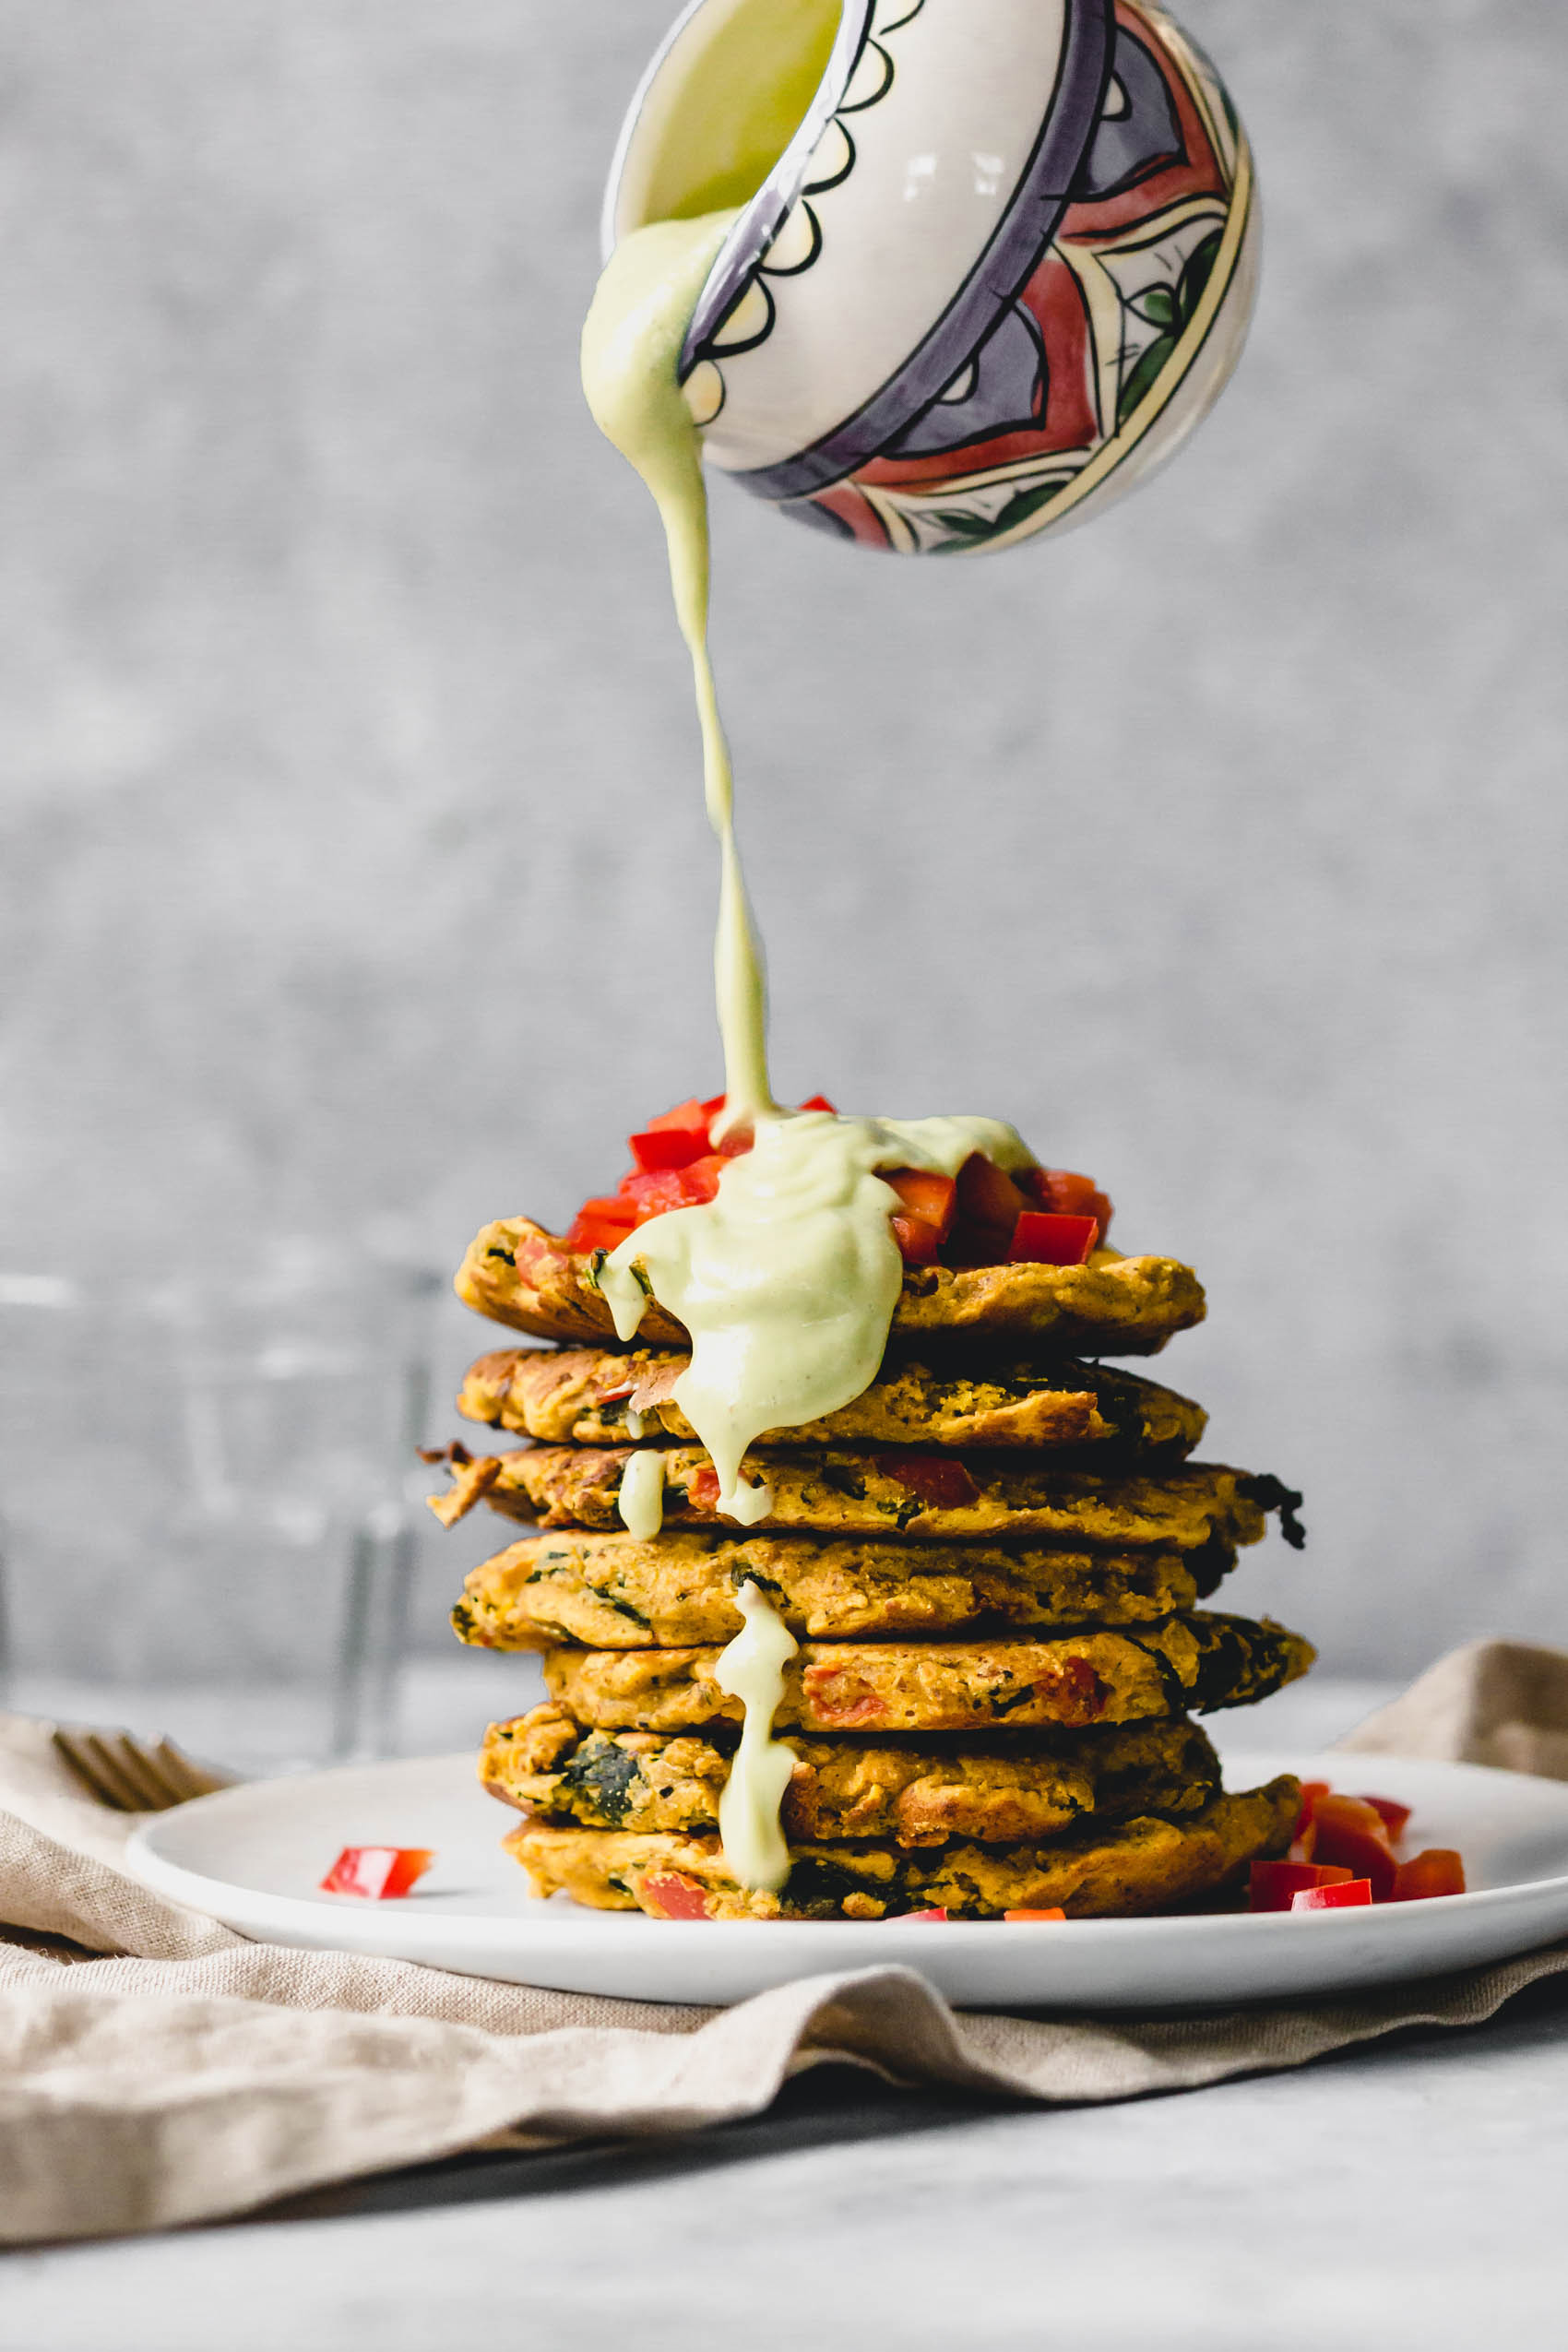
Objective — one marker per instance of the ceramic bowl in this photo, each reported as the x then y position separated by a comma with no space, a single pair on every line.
994,260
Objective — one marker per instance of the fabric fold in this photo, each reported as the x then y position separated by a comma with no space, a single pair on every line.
157,2069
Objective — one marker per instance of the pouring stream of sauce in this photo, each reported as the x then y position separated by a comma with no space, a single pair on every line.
787,1281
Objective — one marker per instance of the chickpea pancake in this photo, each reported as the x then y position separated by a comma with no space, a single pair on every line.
996,1791
834,1492
595,1397
619,1592
1200,1663
517,1272
1143,1865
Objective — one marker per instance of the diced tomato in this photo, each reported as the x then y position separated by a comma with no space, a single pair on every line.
922,1919
1348,1832
818,1103
1041,1238
676,1898
1394,1816
1275,1886
1436,1870
1344,1894
1034,1915
939,1479
704,1491
1064,1193
378,1873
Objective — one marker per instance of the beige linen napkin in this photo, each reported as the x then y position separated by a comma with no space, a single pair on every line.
185,2072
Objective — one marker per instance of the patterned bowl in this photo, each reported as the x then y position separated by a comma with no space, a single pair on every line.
995,259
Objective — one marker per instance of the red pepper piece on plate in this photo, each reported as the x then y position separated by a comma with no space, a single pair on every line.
819,1102
1346,1830
676,1898
1436,1870
1275,1886
1310,1792
1348,1893
378,1873
938,1916
1393,1816
1039,1239
1034,1915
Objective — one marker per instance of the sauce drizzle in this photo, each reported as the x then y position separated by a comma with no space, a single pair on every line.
788,1279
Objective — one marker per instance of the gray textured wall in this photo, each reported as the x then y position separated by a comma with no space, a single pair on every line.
353,854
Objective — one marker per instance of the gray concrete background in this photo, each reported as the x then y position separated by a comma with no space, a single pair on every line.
354,857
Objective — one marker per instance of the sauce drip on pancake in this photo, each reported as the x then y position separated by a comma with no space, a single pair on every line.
752,1670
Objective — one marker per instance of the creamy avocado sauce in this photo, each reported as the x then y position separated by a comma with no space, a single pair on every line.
641,1497
787,1280
752,1670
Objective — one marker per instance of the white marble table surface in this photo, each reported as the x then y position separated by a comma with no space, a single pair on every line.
1407,2195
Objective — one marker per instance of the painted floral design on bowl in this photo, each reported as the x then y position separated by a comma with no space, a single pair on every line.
1003,266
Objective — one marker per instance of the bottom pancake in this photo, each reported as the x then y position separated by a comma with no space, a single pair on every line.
1145,1865
998,1791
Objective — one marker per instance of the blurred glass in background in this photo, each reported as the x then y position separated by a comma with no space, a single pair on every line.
210,1502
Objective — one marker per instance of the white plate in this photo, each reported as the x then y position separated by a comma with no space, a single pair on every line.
253,1856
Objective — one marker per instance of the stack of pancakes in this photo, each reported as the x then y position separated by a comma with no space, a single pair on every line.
993,1562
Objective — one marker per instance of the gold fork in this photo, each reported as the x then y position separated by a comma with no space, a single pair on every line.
131,1776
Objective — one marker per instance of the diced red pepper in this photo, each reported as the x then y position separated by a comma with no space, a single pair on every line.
1311,1791
987,1194
600,1225
1034,1915
1275,1886
1065,1194
1348,1832
1394,1816
704,1491
1436,1870
1344,1894
668,1188
818,1103
924,1223
653,1195
675,1137
922,1919
676,1898
938,1479
1041,1238
378,1873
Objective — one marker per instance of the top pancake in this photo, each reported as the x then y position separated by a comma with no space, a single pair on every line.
585,1396
518,1273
